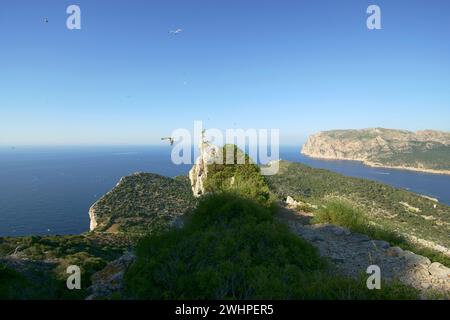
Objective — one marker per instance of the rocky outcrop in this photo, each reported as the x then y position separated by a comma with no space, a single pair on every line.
384,148
209,154
291,203
294,204
92,219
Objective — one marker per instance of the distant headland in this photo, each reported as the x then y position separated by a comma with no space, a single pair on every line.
424,151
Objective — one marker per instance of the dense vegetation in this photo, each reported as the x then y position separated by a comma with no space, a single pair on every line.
245,178
12,283
34,267
232,248
393,210
420,155
342,213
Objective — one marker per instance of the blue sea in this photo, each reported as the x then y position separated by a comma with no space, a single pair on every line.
48,190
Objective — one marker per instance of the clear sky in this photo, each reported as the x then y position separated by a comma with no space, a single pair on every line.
299,66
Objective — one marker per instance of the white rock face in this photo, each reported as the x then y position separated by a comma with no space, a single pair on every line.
209,154
438,270
92,214
370,144
291,202
93,220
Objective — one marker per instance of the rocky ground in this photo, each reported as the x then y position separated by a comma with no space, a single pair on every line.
352,253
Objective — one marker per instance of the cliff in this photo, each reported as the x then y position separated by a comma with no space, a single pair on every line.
140,203
427,151
209,154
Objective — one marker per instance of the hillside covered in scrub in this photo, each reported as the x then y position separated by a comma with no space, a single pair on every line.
141,202
241,239
34,267
427,151
234,247
418,218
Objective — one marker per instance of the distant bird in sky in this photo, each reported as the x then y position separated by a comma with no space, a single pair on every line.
46,20
177,31
170,139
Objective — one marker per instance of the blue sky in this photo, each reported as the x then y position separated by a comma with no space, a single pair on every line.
299,66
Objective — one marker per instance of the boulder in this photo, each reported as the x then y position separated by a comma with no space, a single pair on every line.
415,259
438,270
394,251
291,202
380,244
209,154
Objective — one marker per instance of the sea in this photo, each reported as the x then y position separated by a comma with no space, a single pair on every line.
48,190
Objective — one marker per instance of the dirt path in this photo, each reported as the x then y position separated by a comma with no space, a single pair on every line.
352,253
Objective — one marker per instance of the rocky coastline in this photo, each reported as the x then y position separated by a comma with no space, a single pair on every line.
383,148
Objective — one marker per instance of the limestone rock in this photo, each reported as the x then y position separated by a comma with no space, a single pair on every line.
92,219
437,269
291,202
199,171
380,244
394,251
415,259
209,154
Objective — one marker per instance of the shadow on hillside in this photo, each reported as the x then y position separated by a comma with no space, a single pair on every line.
286,214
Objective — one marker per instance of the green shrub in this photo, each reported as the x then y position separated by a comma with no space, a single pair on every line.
342,213
244,179
232,248
10,283
305,208
381,202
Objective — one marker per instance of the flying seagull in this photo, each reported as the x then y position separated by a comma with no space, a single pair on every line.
177,31
170,139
